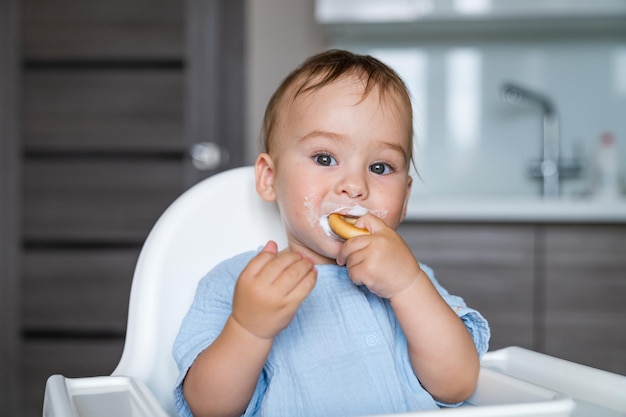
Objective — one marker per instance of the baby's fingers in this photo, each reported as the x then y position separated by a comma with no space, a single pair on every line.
298,280
261,259
288,268
284,271
352,246
278,264
271,247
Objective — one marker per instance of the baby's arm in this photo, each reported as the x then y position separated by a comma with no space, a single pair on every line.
269,291
441,349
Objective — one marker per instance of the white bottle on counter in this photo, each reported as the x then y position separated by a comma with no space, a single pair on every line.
607,170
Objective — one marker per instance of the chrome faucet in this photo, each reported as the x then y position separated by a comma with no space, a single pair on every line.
550,168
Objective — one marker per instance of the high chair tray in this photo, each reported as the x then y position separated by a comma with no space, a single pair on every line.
100,396
513,382
595,392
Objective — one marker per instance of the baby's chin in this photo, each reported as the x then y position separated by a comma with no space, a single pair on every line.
321,249
328,254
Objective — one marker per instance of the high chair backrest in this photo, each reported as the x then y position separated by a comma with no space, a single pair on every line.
212,221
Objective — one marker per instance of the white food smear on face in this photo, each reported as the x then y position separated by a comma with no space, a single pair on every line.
321,220
354,210
309,206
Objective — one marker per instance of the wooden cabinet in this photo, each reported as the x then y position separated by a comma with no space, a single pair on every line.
554,288
585,293
490,266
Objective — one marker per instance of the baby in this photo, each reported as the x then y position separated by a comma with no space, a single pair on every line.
327,326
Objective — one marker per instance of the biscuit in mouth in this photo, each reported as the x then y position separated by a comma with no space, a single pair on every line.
343,226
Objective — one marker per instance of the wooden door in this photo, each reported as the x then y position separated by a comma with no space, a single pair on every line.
9,210
115,93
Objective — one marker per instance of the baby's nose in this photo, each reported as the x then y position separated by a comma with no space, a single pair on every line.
352,193
354,186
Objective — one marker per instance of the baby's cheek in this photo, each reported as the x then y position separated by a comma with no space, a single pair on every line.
310,212
381,214
323,223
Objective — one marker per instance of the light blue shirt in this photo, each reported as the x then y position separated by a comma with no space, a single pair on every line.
344,353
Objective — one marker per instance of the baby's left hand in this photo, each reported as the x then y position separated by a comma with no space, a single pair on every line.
381,260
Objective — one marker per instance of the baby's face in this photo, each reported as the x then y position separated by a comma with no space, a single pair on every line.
337,152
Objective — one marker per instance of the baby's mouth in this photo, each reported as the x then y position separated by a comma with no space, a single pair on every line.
349,212
344,226
349,218
353,212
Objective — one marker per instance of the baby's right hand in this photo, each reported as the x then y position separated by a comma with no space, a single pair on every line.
270,289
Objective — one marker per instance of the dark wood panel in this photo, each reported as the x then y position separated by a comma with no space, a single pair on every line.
480,244
110,110
115,92
585,292
587,246
597,340
98,200
72,358
504,296
10,377
111,29
80,290
215,72
490,266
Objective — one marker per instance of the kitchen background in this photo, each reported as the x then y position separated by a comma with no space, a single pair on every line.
102,103
456,57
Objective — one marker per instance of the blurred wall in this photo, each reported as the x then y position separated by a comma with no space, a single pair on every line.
281,34
455,72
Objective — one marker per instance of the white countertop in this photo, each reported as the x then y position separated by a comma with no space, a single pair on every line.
511,209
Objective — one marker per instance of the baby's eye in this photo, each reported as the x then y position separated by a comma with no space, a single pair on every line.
380,168
325,160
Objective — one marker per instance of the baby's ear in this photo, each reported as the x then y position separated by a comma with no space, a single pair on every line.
264,171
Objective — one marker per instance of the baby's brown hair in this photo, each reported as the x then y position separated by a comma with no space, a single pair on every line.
322,69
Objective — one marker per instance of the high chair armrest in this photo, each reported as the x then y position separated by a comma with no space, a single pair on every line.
101,396
57,401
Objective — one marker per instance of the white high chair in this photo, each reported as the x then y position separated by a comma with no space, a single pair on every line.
223,216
